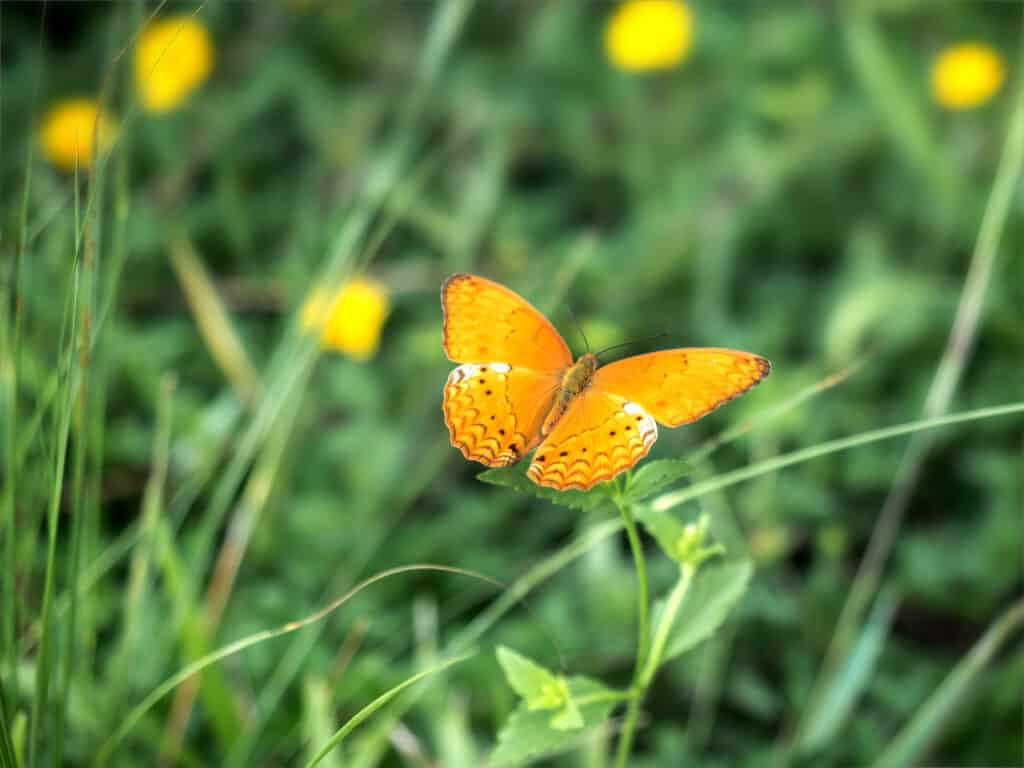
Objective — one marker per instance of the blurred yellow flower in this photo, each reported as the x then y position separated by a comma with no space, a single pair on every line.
351,320
646,35
967,75
76,130
173,58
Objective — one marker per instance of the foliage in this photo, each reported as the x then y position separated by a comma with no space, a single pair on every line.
184,468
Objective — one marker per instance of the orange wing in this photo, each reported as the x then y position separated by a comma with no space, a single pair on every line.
485,322
494,412
677,386
600,435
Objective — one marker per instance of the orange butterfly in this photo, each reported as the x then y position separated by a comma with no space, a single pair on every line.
517,387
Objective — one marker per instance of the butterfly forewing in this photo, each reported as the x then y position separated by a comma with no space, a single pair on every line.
677,386
599,436
484,322
512,362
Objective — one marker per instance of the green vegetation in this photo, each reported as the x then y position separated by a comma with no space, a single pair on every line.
225,542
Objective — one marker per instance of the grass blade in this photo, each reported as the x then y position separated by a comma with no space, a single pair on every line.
214,321
910,745
7,757
379,702
132,718
849,682
675,498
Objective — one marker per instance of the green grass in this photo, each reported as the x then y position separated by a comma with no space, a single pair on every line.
222,545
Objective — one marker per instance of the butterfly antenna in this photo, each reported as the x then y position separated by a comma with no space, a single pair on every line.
578,326
657,336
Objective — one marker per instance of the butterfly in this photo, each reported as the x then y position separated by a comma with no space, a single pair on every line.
517,388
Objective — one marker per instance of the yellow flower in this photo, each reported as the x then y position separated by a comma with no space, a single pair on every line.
173,58
75,131
351,321
646,35
967,75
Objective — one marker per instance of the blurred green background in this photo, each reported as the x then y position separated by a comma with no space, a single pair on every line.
183,466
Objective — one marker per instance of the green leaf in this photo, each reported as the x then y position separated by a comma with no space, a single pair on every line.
655,475
683,543
515,477
569,718
665,529
529,734
537,686
715,591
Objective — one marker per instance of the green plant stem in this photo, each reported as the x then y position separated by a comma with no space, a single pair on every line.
643,635
672,605
652,660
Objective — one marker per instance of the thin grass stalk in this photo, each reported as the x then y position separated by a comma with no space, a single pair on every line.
92,248
135,715
253,502
75,337
213,320
364,713
291,660
773,412
7,525
108,289
65,409
45,397
137,593
674,499
940,394
7,756
68,639
912,742
344,259
898,99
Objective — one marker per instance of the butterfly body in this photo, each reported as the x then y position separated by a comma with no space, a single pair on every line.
574,380
518,388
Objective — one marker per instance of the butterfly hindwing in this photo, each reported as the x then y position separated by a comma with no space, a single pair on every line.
677,386
484,321
494,411
599,436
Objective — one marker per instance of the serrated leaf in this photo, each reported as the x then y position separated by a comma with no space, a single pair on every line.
515,477
655,475
715,591
537,686
665,529
530,734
